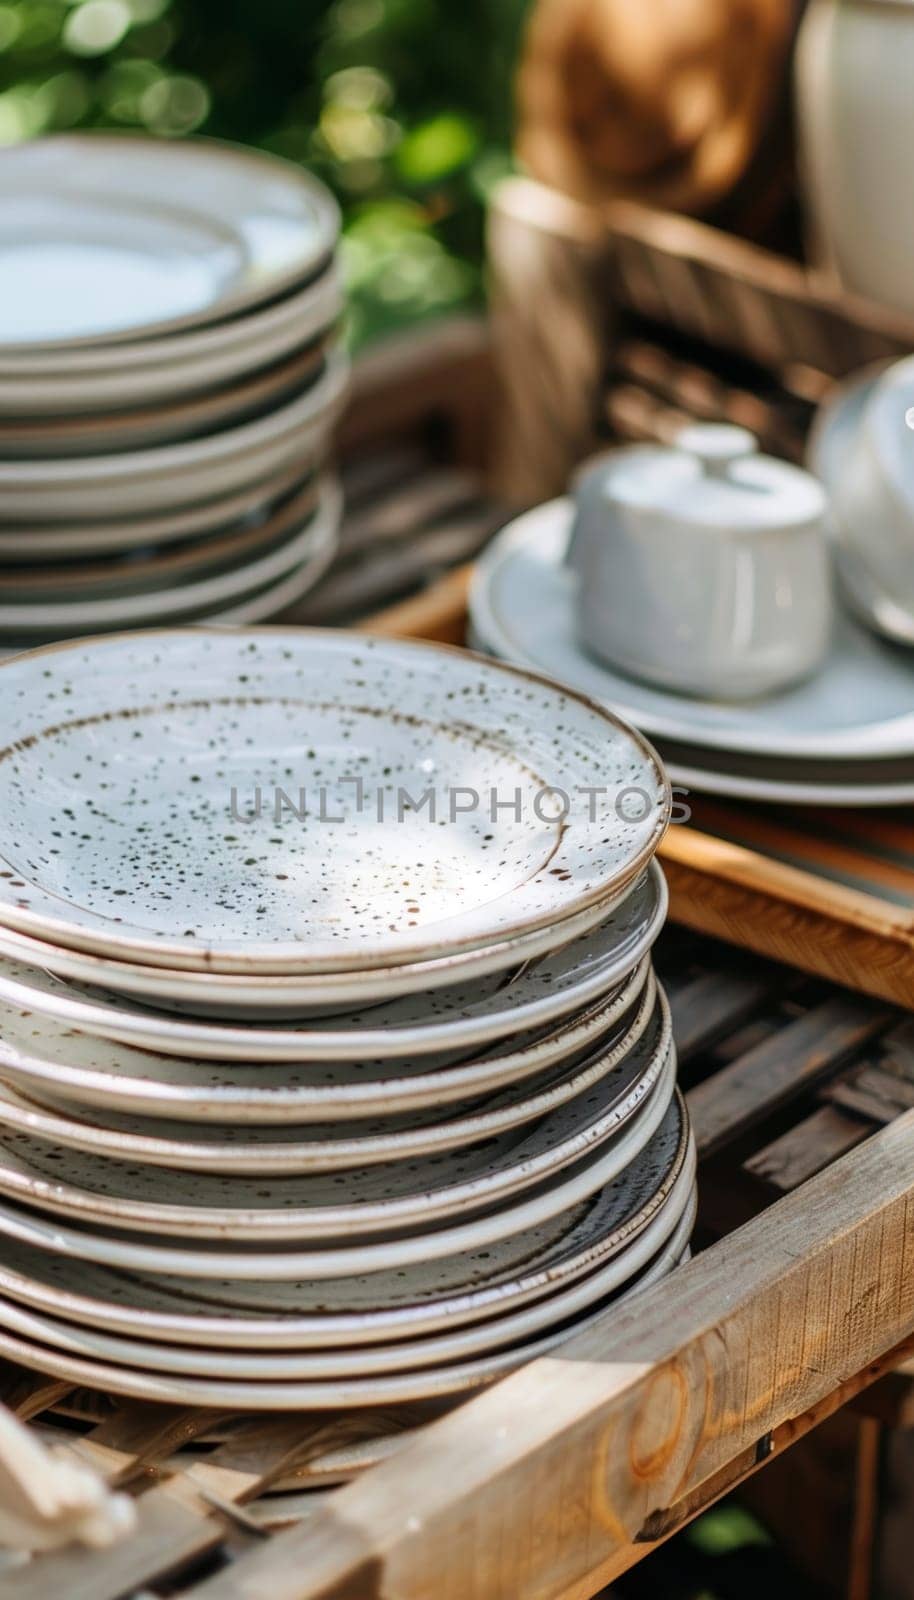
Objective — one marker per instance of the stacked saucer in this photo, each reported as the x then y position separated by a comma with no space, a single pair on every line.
334,1069
170,373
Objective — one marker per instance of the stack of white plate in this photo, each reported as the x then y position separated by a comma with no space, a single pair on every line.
334,1068
170,374
843,738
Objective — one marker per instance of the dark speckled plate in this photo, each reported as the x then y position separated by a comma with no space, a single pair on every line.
661,1245
363,1309
279,1184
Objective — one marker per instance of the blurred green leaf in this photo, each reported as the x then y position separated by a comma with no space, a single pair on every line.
436,149
728,1527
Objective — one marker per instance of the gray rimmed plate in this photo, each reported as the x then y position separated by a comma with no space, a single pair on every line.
293,1148
124,236
158,1253
522,608
647,1259
430,1296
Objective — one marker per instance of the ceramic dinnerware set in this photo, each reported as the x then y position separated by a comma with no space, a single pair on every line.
334,1068
170,372
690,589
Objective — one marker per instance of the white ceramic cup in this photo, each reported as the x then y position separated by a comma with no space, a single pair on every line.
704,568
855,115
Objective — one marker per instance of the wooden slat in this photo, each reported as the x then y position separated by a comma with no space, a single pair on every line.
439,613
755,1085
872,1092
808,1148
789,915
176,1523
545,1484
714,1003
740,297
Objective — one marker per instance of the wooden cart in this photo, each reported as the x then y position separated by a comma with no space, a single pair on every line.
799,1301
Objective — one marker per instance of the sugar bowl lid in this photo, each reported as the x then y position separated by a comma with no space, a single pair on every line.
713,477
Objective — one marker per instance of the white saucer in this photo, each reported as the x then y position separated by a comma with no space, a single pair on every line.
522,608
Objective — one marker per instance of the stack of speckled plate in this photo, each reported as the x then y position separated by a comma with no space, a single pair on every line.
170,372
333,1068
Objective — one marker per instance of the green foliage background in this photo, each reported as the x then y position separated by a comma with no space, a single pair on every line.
404,106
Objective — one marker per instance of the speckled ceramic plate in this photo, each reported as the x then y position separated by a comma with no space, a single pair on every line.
117,1248
128,236
130,823
858,706
76,1070
49,1167
241,997
652,1255
298,547
252,1396
425,1298
422,1024
412,1120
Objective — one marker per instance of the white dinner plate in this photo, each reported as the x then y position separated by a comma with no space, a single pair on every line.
73,266
332,1147
148,425
788,781
427,1383
421,1024
144,481
233,1202
109,237
652,1255
522,607
291,555
262,1264
421,801
144,571
364,1309
23,541
99,378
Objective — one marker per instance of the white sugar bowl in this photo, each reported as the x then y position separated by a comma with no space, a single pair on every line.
703,568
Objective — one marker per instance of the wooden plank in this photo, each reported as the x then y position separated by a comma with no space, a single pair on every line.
441,371
807,1148
872,1092
789,915
546,1483
439,613
729,1102
548,261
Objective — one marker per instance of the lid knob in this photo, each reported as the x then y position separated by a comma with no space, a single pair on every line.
717,445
